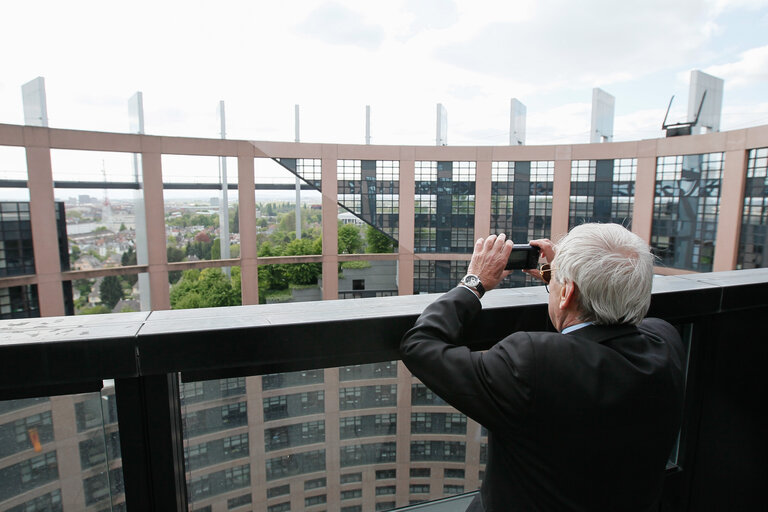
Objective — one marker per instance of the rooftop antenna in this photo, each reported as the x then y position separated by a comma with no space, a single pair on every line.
685,128
104,175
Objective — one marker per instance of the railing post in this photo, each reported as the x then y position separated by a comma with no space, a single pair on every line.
151,441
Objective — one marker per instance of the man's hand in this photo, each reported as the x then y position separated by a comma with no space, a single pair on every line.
489,259
547,249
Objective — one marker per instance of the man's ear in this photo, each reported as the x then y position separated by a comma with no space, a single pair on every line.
568,295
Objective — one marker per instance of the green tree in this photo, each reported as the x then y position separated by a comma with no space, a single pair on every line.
271,277
174,254
287,222
378,241
234,219
209,288
234,250
74,254
216,289
350,241
110,291
236,281
202,250
122,227
302,273
129,258
84,286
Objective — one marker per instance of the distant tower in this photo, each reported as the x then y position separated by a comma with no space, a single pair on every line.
35,105
367,124
442,126
297,138
711,109
224,202
517,112
136,125
603,106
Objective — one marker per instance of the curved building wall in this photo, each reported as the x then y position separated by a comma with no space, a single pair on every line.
677,193
368,437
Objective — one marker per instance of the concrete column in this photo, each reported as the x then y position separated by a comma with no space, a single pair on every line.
406,219
258,454
249,275
403,456
42,215
561,193
731,208
645,190
483,198
154,207
473,454
332,440
330,223
68,451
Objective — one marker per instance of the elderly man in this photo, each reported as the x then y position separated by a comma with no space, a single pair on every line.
580,419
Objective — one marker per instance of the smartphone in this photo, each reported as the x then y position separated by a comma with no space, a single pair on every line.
523,256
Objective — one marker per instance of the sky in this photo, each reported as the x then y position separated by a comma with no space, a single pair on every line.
401,57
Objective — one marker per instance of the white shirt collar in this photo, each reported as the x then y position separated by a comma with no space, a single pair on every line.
576,327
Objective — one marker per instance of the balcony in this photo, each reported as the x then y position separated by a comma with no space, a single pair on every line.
158,368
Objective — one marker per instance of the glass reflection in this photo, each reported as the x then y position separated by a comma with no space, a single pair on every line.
330,439
61,453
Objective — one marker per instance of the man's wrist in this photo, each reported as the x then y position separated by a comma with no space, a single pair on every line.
473,282
474,291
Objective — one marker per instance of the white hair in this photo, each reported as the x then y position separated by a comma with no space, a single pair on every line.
612,269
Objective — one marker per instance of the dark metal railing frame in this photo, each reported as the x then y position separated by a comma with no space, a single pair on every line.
144,353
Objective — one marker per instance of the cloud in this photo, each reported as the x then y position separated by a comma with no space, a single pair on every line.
565,44
430,15
336,24
640,124
565,123
466,91
750,68
743,116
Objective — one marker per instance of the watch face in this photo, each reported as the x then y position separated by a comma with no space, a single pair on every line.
471,280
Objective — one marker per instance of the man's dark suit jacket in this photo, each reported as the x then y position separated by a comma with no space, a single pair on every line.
578,421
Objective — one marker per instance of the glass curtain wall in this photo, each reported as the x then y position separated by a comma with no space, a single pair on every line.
444,221
754,220
521,206
685,210
602,191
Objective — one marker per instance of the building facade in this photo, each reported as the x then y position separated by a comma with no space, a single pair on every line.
17,258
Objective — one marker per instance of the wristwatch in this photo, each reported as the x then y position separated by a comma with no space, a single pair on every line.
472,281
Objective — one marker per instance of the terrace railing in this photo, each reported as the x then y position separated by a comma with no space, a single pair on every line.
719,463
